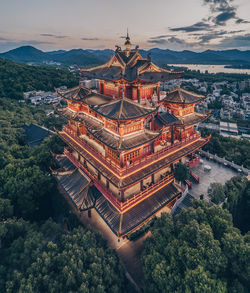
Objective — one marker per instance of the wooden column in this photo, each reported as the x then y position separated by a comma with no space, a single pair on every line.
122,195
172,134
121,160
141,185
153,147
158,91
138,94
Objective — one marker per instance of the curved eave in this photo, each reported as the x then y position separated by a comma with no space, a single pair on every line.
202,118
124,149
127,119
183,103
62,96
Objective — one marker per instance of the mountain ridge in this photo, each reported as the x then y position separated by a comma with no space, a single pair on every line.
90,57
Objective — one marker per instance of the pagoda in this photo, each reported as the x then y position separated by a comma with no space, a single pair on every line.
122,145
127,73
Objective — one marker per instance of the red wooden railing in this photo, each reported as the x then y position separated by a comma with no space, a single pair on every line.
138,164
194,162
189,183
129,203
196,178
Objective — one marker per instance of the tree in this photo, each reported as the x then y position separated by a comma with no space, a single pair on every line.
47,259
181,172
198,251
216,193
6,209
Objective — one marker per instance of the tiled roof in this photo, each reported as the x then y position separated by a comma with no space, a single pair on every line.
193,118
167,118
181,96
85,95
136,215
75,184
130,70
124,142
100,133
123,109
35,134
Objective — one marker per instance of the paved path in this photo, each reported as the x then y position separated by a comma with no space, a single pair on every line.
219,173
129,252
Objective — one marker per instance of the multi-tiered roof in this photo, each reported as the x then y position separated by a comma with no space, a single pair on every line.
123,151
130,66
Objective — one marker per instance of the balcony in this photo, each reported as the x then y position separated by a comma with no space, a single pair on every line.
122,207
127,169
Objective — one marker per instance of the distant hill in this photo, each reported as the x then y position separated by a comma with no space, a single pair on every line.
89,57
16,78
27,54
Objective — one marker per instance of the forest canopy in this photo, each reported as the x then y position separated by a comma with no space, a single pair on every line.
16,78
37,253
197,251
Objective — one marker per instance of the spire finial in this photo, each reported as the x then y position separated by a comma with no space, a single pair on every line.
127,44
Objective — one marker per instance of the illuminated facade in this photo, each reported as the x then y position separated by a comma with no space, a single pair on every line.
120,143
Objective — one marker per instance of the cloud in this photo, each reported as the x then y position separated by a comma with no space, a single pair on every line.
240,20
226,11
170,41
206,38
89,39
199,26
223,17
158,42
220,12
240,41
54,36
174,40
161,37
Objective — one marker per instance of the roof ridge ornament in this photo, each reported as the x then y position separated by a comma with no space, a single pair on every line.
118,48
127,44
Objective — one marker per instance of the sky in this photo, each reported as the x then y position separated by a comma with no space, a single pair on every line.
195,25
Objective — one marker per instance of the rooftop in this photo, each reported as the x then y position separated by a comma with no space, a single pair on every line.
133,176
35,134
122,224
182,96
123,109
85,95
129,65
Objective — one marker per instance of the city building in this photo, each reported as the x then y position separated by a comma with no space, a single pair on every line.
123,142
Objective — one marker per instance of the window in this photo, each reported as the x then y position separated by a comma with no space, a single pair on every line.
131,156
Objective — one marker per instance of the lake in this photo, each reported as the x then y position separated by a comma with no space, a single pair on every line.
212,68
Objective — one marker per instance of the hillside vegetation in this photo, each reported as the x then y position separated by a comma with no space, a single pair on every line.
81,57
16,78
38,251
199,251
160,56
